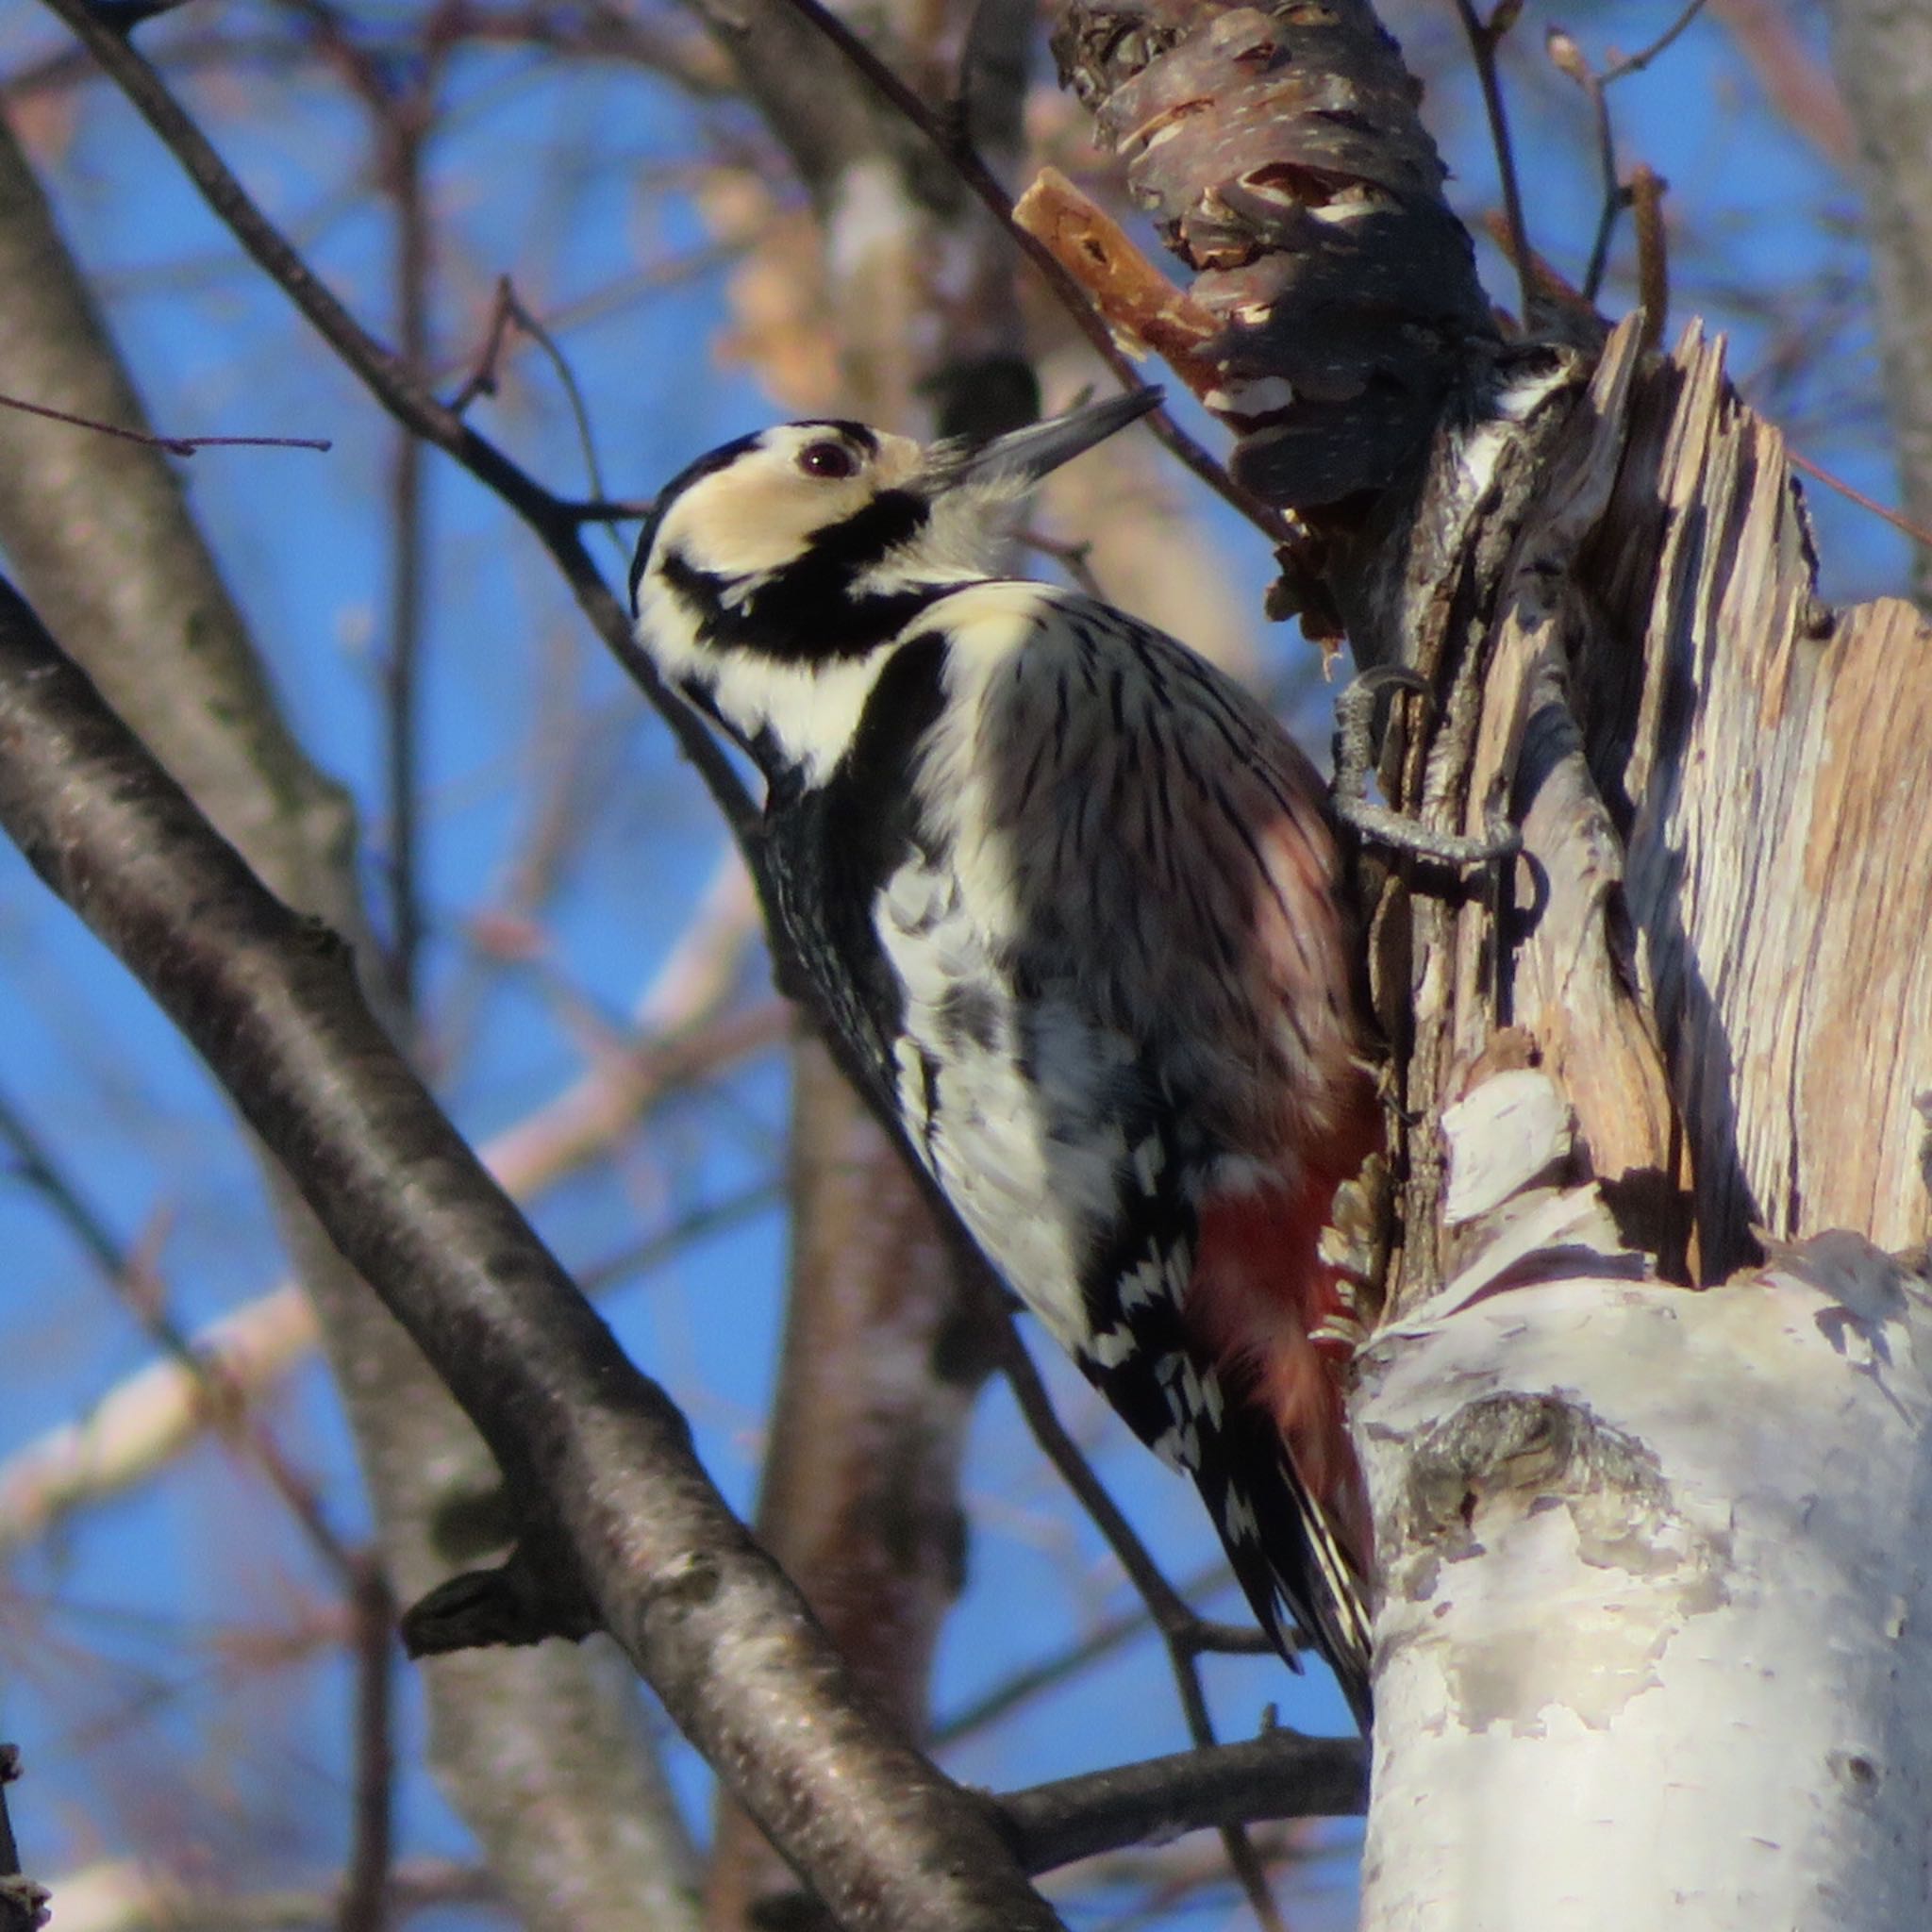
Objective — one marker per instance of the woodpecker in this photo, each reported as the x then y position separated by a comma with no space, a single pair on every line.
1070,899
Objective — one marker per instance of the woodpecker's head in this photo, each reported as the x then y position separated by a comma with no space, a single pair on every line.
773,573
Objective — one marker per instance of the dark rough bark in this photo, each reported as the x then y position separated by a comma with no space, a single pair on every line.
1278,151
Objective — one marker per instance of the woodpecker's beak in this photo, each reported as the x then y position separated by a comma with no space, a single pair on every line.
1024,456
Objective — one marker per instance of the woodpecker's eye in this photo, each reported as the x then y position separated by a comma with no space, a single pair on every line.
828,459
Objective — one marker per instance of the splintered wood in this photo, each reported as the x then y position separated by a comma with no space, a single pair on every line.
1718,939
1567,998
1776,758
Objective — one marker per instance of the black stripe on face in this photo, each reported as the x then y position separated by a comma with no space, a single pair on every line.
854,433
809,612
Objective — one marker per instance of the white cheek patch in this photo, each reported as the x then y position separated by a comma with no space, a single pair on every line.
756,516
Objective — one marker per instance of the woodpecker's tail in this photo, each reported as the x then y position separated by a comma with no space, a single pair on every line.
1302,1581
1265,1306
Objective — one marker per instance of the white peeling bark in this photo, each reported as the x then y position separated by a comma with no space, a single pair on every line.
1655,1565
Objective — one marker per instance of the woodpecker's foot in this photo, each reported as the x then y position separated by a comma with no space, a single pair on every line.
1499,841
1356,757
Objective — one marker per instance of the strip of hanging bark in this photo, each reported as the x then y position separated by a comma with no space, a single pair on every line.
1142,308
1653,251
1280,152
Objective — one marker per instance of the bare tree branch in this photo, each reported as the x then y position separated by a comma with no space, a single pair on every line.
1278,1774
164,641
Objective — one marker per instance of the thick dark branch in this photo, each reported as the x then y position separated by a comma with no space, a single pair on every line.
1278,1774
628,1529
162,640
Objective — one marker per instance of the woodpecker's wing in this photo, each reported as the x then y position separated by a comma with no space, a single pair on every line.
1104,976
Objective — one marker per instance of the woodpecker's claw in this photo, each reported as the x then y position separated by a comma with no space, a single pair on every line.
1356,757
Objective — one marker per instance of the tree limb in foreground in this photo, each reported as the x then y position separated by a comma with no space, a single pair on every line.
623,1529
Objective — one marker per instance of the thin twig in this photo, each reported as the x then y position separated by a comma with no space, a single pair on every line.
1163,1601
1010,1692
132,1283
509,309
174,445
1636,63
1904,524
164,1406
594,305
1483,40
401,133
598,1278
1615,198
482,379
1566,55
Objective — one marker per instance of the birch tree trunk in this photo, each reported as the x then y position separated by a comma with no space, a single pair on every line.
1644,1415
